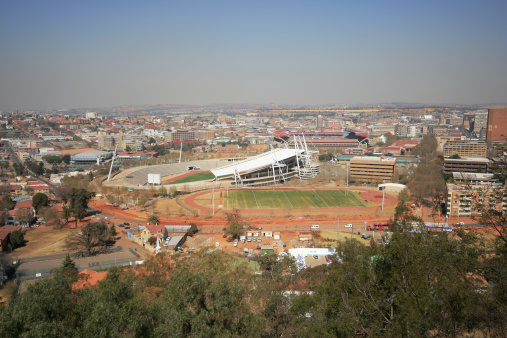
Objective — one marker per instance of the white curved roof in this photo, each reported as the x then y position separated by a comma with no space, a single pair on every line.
257,162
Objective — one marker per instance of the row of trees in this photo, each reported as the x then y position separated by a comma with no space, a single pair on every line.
416,285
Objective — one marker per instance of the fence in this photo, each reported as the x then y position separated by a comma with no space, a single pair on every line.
44,273
77,254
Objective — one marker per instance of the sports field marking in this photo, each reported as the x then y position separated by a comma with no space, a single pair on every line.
255,199
287,198
327,205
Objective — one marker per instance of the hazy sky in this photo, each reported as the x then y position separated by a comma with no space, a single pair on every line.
71,54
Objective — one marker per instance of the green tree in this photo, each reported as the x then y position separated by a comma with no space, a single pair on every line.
66,159
39,200
113,231
79,199
153,219
16,238
68,270
151,140
235,227
8,203
93,235
193,230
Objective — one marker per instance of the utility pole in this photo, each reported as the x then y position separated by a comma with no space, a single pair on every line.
383,194
213,196
347,191
338,229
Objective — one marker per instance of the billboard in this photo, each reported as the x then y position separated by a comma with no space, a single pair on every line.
154,179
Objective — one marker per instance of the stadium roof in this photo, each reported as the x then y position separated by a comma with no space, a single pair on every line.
91,155
257,162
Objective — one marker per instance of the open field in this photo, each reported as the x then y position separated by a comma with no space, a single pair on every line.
45,242
193,178
293,199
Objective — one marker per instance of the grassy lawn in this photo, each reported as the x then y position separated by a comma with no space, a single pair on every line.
41,243
295,199
194,178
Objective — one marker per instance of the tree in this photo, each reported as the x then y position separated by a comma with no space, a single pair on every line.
67,270
235,227
154,219
8,203
113,231
16,238
79,199
152,240
66,159
151,140
193,230
39,200
92,235
66,212
63,192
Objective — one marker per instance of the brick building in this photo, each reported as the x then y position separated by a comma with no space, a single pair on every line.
497,124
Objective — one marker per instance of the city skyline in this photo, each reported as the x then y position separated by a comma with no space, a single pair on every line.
59,55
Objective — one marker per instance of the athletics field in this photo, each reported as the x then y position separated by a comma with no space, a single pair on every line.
293,199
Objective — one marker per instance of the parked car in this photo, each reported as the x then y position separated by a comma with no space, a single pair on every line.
249,239
235,244
120,225
106,218
460,224
254,240
259,240
126,223
259,228
348,225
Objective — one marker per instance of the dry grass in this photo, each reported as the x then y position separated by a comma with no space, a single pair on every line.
333,235
6,291
41,243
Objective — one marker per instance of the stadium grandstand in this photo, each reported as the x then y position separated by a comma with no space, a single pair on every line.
270,168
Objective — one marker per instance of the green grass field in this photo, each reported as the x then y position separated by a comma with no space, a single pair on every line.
293,199
194,178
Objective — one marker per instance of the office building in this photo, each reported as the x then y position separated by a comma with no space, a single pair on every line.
371,169
497,125
465,148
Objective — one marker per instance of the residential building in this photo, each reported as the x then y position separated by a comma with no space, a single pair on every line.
469,200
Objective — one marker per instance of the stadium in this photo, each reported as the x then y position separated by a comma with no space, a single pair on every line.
270,168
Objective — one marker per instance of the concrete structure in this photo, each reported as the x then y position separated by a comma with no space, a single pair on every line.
466,148
91,157
497,124
469,165
473,178
371,169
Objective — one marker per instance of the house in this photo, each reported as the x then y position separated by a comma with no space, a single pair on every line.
22,214
5,231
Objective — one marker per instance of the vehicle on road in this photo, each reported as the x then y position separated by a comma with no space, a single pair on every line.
460,224
259,228
315,227
348,225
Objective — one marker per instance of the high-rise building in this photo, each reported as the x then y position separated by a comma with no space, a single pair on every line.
320,122
497,124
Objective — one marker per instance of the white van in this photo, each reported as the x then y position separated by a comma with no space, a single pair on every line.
348,225
314,227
